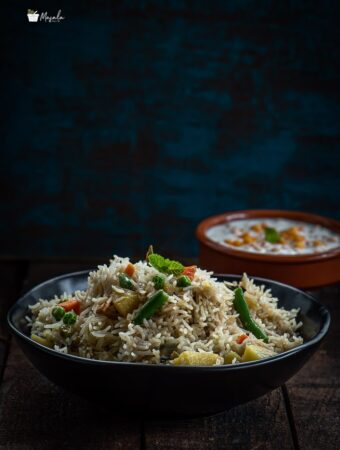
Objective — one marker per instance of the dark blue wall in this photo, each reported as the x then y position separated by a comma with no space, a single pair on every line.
126,125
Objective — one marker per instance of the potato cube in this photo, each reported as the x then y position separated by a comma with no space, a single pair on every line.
254,352
126,304
230,356
188,358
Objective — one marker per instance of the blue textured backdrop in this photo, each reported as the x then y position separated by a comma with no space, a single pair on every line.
126,125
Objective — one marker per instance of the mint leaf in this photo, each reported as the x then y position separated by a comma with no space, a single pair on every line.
165,265
271,235
157,261
174,267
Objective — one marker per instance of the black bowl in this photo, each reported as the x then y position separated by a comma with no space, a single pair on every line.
169,390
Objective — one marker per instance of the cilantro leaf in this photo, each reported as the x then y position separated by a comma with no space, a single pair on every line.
272,235
165,265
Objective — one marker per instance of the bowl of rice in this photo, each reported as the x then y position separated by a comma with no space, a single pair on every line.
155,337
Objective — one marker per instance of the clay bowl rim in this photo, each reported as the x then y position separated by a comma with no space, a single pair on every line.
229,216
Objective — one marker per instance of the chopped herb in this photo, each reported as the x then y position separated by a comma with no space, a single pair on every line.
165,265
272,235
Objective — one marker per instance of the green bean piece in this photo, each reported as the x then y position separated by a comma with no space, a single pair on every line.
70,318
151,306
183,281
158,281
247,321
125,281
58,312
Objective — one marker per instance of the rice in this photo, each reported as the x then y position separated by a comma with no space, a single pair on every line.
198,318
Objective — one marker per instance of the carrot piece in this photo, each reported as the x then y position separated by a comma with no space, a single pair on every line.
129,269
71,305
241,338
189,271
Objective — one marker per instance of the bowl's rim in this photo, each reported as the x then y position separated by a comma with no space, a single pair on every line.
324,313
229,216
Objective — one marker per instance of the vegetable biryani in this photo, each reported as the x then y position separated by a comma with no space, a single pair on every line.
158,311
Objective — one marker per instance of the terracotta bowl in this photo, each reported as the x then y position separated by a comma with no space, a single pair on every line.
306,271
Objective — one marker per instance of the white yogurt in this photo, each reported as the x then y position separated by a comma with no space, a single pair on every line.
313,238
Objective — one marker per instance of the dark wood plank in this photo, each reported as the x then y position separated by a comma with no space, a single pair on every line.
315,391
36,414
260,424
11,278
235,428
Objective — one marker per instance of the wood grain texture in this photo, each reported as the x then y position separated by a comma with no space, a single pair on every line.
11,279
260,424
35,414
315,391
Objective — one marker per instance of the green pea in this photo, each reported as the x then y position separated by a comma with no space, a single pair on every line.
183,281
125,281
158,281
70,318
58,312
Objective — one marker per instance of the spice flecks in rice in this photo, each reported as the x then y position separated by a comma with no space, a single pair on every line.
198,318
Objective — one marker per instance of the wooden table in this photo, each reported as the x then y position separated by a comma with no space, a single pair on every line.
35,414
